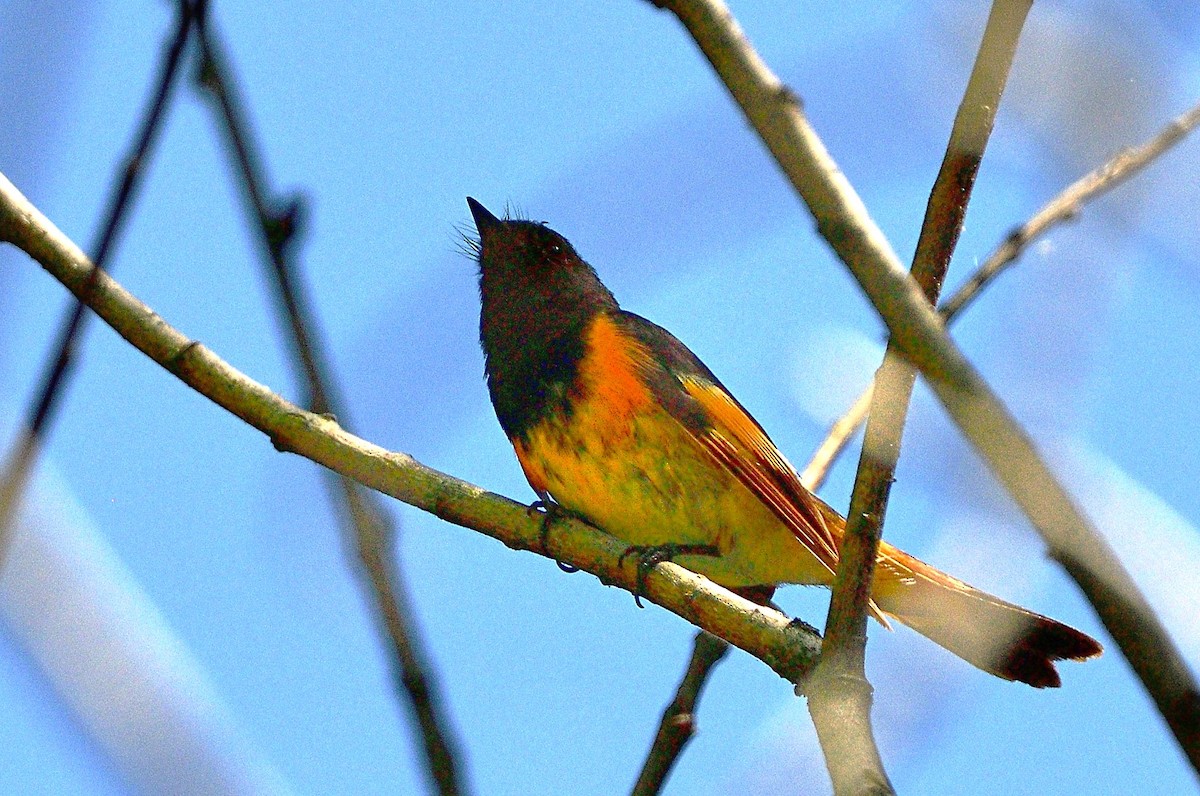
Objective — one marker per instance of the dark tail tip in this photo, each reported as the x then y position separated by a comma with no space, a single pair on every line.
1031,660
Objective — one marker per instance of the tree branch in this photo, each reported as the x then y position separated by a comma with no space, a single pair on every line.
21,460
839,688
1066,206
843,221
678,723
789,648
364,518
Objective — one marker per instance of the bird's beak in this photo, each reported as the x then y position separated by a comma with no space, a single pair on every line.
484,220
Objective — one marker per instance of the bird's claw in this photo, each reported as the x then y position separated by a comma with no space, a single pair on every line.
550,511
650,556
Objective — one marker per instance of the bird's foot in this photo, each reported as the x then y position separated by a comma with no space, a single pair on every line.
551,512
650,556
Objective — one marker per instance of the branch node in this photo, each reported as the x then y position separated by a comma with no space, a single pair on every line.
179,362
684,722
206,75
279,441
282,225
799,623
788,98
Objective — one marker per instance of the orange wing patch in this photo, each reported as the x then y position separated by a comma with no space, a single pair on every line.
607,390
742,447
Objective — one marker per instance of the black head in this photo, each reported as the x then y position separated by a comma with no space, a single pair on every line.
531,255
538,296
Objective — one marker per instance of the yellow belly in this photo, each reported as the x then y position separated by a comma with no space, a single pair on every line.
642,478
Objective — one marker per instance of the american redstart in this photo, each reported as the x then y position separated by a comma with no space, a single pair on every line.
615,420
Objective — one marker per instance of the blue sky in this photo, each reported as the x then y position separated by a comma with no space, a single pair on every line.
601,119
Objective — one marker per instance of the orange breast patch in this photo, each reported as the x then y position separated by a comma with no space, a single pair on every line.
607,394
608,373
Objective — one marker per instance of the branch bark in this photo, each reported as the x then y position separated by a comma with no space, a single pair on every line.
1066,206
22,460
364,519
678,723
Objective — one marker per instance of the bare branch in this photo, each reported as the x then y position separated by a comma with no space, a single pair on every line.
844,651
789,648
920,334
22,459
836,440
1066,206
679,719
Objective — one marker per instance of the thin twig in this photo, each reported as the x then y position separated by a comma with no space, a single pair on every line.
1066,206
790,649
21,460
364,515
678,723
836,440
839,692
843,221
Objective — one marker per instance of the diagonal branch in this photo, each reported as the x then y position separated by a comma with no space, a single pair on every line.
842,659
790,649
1066,206
19,465
678,723
363,514
839,684
843,221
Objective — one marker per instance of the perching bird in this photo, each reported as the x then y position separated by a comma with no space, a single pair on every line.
614,419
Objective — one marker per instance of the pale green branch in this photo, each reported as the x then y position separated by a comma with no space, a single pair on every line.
789,648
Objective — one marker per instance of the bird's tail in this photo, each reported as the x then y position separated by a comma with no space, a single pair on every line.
998,637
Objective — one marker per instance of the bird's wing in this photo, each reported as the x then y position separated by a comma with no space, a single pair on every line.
691,394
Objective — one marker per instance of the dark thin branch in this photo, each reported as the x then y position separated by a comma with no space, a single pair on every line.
59,366
277,222
372,526
1066,206
940,230
678,723
115,213
840,677
375,546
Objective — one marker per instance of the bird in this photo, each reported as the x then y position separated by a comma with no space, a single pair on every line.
617,422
